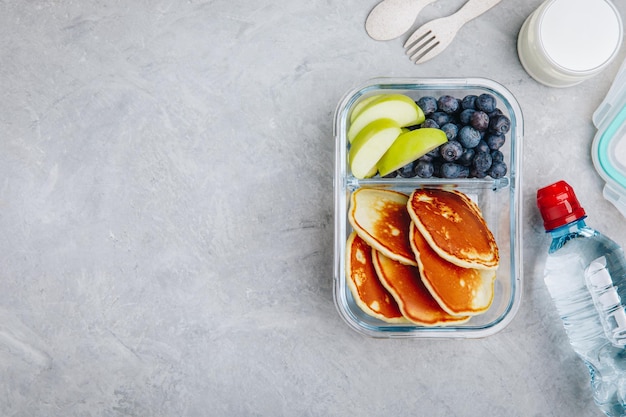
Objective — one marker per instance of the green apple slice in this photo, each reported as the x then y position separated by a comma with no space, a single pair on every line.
410,146
372,172
398,107
361,105
370,144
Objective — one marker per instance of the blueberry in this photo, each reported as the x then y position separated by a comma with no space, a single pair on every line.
428,105
424,169
480,120
448,104
477,174
451,130
424,158
500,124
467,157
441,118
482,147
465,117
498,170
469,137
451,150
437,168
482,161
430,123
495,113
407,171
495,140
486,102
392,174
476,130
497,156
452,170
434,154
469,102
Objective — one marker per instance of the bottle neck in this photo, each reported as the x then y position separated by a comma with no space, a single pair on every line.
568,228
561,235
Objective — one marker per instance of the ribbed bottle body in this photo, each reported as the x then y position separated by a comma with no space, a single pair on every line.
585,273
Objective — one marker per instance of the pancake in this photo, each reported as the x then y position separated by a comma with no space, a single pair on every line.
381,219
416,303
458,290
368,292
454,227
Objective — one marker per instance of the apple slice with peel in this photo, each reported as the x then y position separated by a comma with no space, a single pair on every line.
410,146
361,105
372,172
370,144
398,107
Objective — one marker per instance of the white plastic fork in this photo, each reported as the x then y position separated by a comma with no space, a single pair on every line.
433,37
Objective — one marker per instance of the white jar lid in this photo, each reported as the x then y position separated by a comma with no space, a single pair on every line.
581,35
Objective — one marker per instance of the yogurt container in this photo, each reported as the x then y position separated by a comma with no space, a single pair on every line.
608,149
565,42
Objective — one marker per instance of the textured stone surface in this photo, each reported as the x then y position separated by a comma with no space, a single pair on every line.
166,215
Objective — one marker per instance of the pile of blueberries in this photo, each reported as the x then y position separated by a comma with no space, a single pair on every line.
476,130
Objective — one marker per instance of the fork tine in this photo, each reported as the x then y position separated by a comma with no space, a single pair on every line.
417,36
423,54
420,42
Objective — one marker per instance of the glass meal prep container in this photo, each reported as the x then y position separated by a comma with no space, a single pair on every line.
498,199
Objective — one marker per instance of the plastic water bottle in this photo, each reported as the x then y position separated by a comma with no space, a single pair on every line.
585,273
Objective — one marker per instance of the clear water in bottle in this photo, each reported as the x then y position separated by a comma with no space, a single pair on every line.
585,273
565,279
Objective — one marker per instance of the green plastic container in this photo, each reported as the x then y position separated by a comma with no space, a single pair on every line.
608,149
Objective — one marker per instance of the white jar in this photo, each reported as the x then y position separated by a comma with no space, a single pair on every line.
565,42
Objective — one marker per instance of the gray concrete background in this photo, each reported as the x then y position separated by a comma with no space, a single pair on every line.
166,215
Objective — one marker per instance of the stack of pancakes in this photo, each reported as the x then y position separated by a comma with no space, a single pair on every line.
428,258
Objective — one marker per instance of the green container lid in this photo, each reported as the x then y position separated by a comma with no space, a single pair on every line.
608,149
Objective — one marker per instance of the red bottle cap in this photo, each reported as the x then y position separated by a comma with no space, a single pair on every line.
558,205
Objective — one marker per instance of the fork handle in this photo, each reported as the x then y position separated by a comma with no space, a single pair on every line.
473,9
